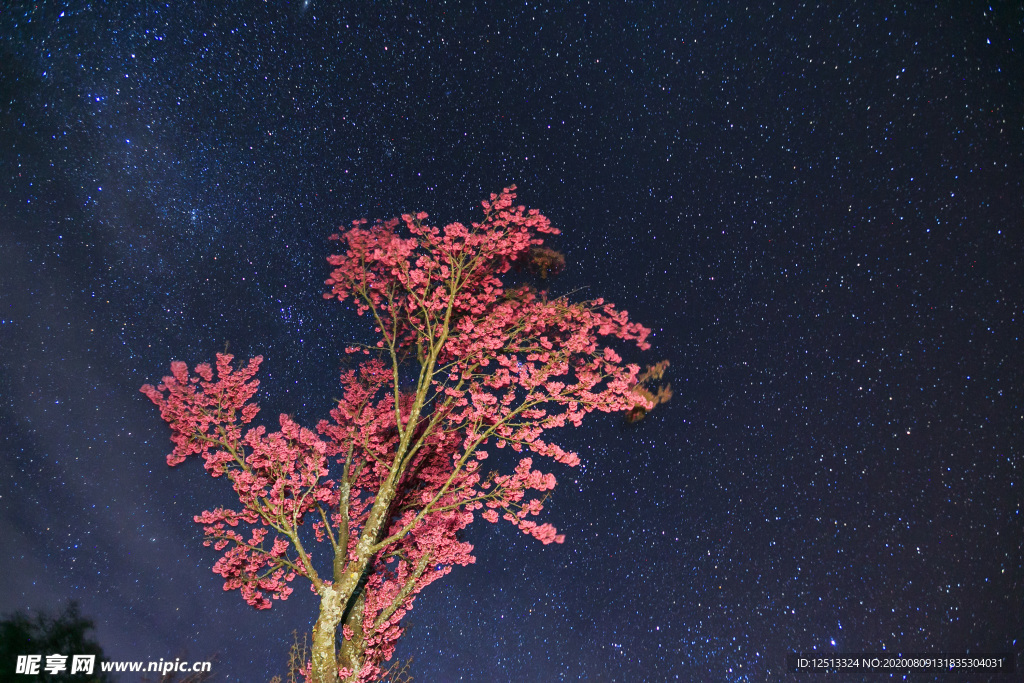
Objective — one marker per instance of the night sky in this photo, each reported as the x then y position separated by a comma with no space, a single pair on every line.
817,211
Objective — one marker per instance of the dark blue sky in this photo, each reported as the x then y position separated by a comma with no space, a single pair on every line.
817,210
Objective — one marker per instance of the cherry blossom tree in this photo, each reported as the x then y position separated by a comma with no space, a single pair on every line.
368,506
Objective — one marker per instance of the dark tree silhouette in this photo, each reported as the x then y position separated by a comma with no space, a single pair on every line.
64,634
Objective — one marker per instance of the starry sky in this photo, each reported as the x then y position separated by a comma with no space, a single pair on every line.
817,210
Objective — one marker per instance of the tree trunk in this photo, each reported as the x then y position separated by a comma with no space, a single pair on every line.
336,608
325,664
337,604
351,654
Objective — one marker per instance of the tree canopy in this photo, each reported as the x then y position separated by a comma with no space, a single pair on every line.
368,506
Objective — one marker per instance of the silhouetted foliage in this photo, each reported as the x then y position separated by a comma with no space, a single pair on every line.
43,634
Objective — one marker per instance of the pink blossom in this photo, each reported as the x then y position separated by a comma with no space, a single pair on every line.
391,479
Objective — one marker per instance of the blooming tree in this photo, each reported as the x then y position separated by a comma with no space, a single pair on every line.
368,506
